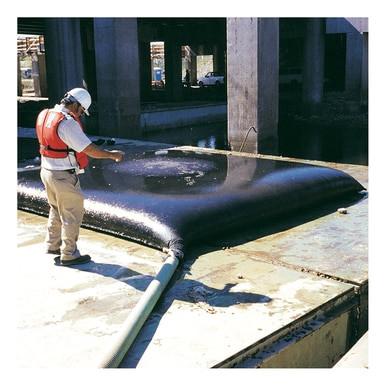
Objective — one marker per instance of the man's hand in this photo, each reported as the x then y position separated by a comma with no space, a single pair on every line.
94,151
117,155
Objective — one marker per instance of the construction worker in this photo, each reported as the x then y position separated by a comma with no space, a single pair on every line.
64,149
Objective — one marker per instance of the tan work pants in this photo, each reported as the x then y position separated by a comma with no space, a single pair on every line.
66,211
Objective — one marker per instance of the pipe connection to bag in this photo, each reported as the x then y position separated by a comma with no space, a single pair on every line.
142,310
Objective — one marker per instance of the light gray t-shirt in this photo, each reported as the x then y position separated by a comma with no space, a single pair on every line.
73,136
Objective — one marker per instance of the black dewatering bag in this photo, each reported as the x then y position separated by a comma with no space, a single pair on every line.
170,198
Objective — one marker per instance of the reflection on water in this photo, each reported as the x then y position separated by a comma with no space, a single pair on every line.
212,136
209,142
331,144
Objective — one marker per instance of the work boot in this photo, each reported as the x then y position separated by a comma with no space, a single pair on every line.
83,259
54,252
75,258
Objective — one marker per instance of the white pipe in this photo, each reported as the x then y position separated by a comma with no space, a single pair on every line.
140,312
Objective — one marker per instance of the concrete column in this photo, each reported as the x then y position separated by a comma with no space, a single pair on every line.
313,69
365,69
253,83
215,58
42,75
354,55
221,59
63,56
173,68
145,70
193,63
35,74
19,88
118,76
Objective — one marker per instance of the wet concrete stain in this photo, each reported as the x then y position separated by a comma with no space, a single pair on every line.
93,307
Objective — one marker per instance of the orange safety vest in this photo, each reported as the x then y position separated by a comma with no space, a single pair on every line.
51,145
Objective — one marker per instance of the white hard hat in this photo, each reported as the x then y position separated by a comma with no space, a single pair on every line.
82,96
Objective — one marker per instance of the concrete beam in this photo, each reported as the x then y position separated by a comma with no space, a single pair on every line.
118,77
335,25
180,117
252,82
356,30
361,24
